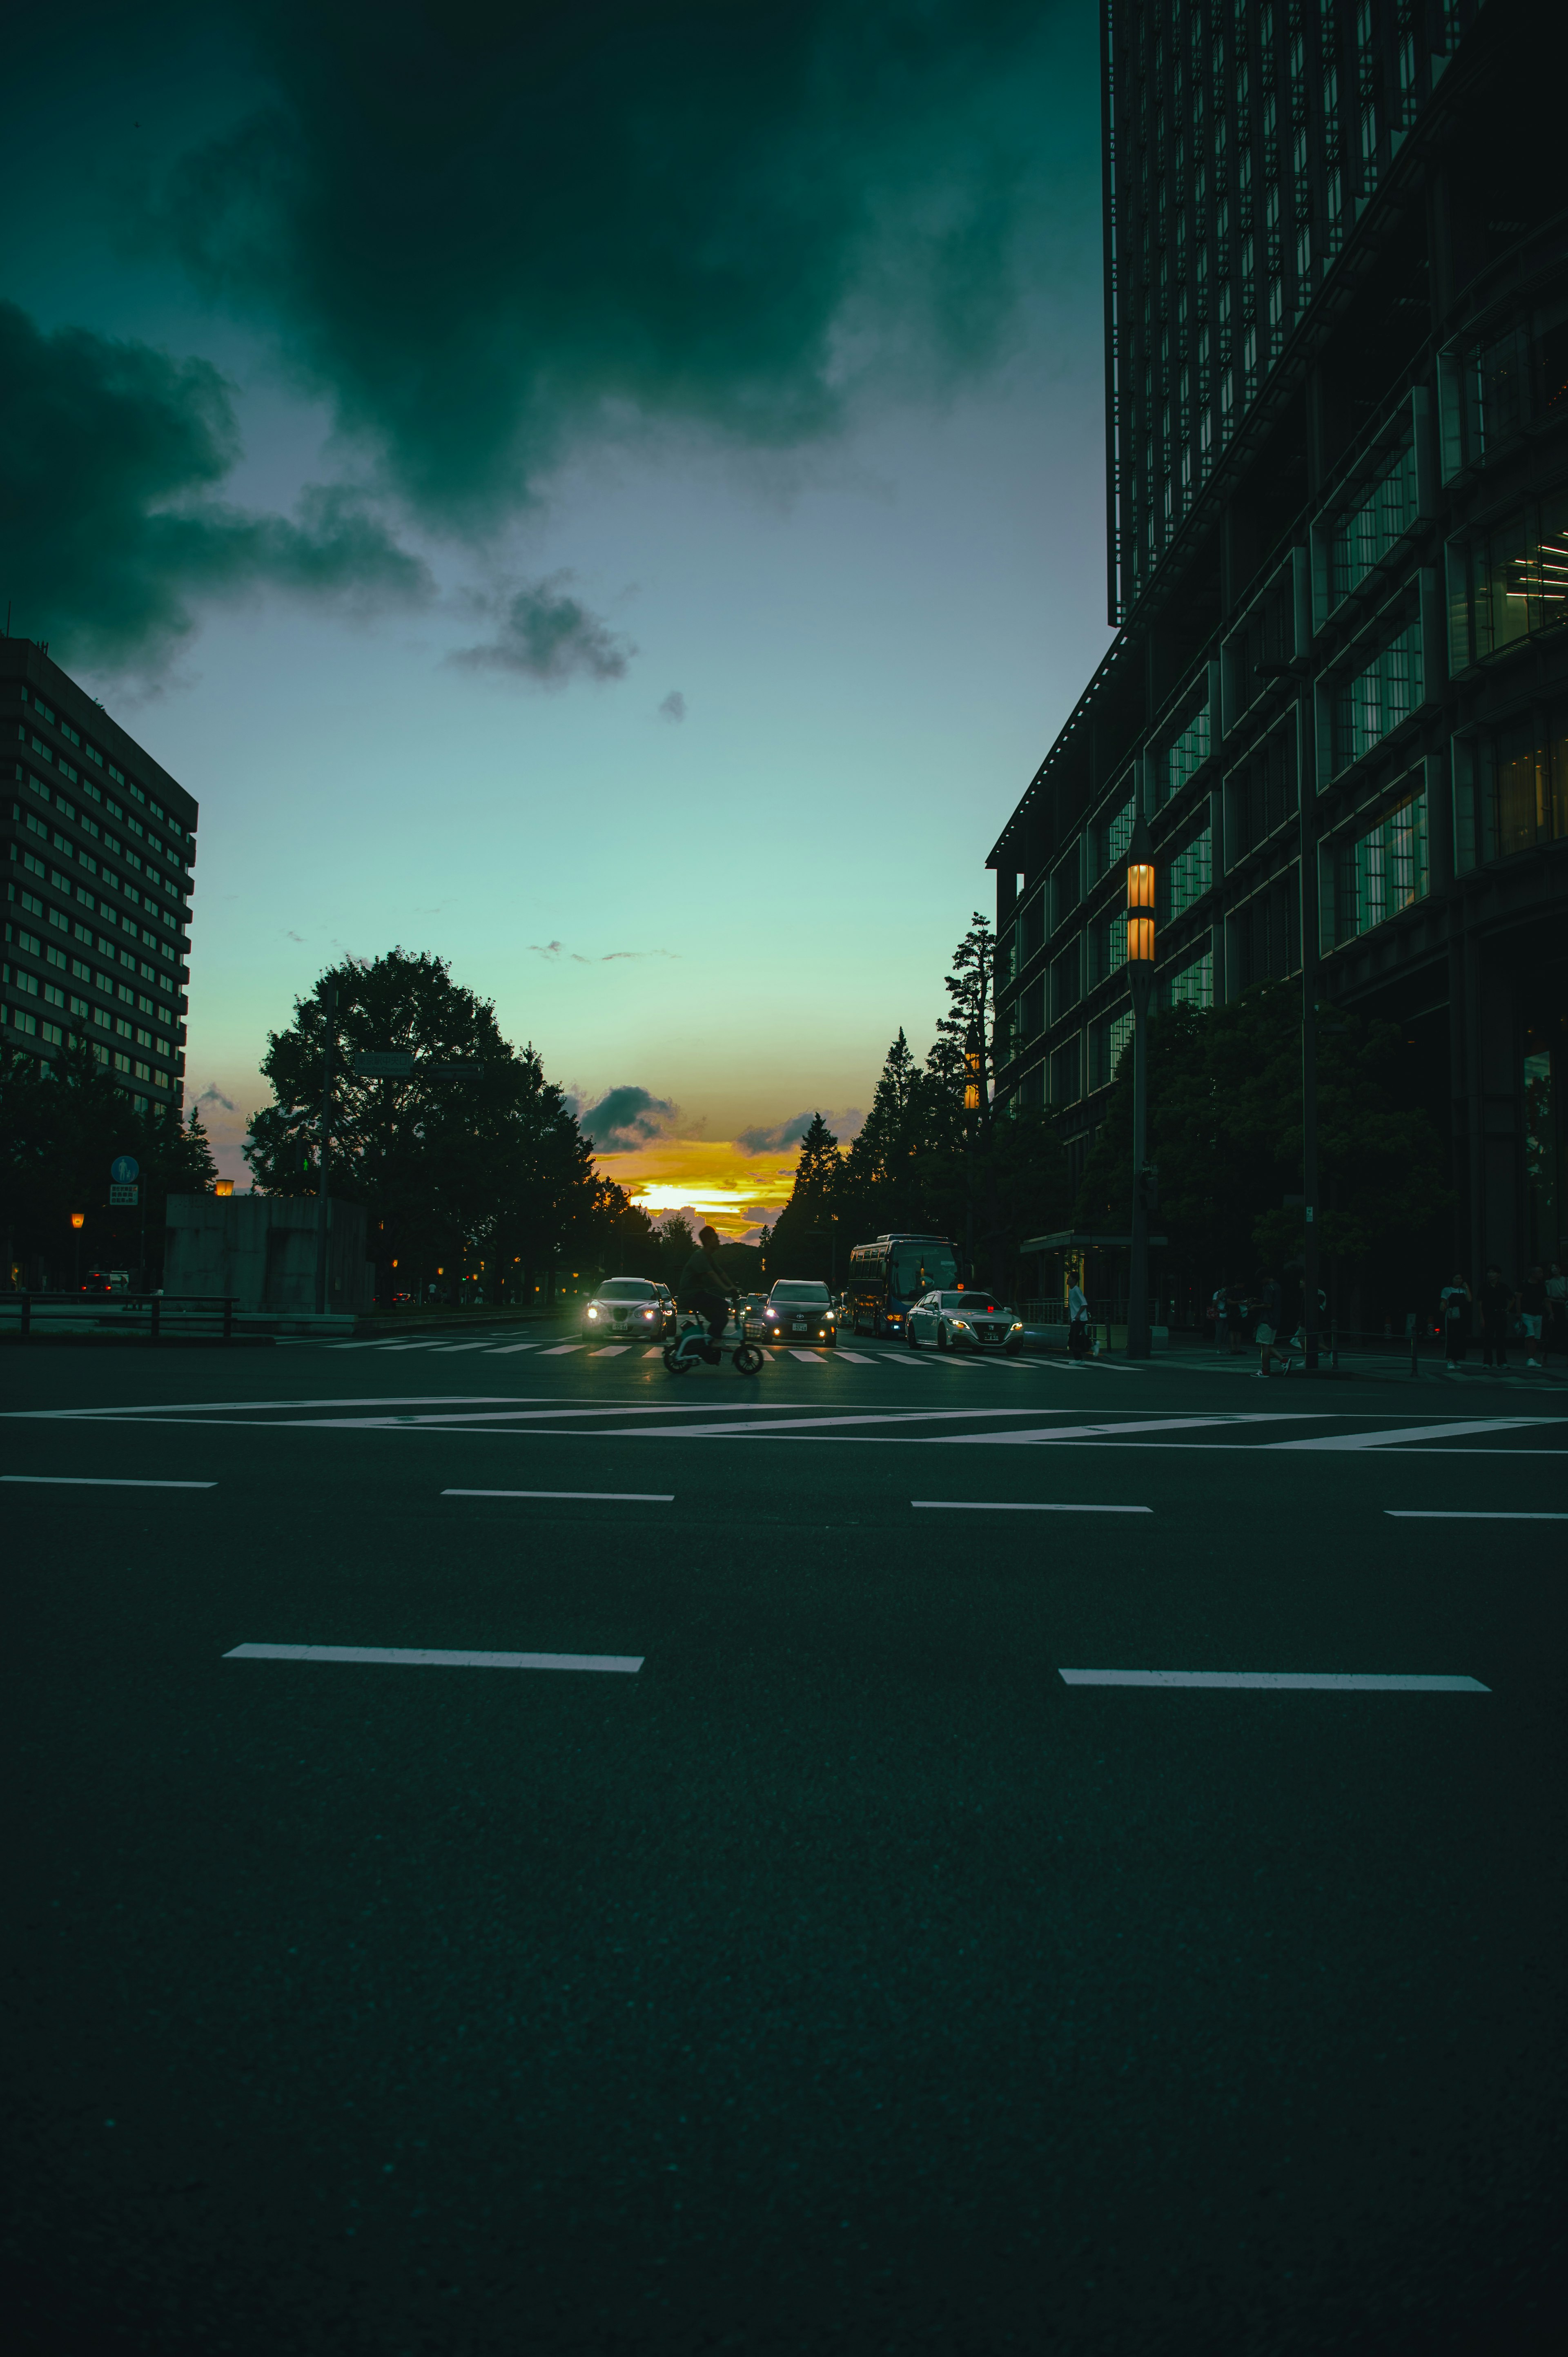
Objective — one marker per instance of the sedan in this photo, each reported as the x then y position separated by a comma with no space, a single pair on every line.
623,1307
965,1320
795,1311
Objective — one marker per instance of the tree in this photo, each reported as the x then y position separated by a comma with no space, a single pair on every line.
801,1241
486,1177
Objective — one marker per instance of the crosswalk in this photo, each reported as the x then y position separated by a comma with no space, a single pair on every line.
497,1347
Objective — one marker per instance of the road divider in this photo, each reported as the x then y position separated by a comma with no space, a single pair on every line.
419,1657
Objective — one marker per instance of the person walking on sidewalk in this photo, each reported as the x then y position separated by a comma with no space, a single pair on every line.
1532,1313
1077,1322
1498,1299
1268,1326
1455,1301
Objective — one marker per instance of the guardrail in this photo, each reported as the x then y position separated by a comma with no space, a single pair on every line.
158,1316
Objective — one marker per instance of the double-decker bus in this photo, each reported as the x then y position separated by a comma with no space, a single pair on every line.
892,1272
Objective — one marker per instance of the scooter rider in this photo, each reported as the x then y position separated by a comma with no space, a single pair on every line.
705,1291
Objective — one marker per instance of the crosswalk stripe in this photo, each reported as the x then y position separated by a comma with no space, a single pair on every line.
611,1350
559,1349
813,1358
509,1350
656,1351
856,1357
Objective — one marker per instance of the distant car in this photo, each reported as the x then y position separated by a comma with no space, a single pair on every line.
965,1320
797,1310
623,1306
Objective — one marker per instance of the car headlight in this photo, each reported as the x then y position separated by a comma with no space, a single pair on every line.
593,1313
959,1325
770,1313
648,1313
1017,1327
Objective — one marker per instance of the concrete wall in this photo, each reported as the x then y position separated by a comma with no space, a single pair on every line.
262,1249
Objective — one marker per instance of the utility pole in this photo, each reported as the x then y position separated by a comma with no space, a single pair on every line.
329,1019
1306,796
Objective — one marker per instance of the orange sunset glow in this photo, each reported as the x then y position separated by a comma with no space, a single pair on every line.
730,1189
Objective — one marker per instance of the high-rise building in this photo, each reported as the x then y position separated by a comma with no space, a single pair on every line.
1337,434
99,847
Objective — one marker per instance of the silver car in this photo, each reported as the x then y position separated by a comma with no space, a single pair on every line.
965,1320
623,1307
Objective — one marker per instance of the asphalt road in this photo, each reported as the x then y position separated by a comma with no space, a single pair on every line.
830,1973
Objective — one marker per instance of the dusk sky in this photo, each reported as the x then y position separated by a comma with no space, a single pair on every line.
611,496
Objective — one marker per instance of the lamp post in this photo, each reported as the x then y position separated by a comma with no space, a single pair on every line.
973,1080
1141,974
78,1221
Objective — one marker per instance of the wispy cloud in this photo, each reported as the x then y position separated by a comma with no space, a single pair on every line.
548,636
214,1095
674,706
782,1134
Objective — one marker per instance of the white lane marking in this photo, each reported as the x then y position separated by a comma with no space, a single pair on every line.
856,1358
1466,1514
1019,1506
813,1358
423,1657
510,1350
656,1351
621,1497
101,1481
611,1350
1092,1431
559,1349
1447,1431
1311,1681
450,1350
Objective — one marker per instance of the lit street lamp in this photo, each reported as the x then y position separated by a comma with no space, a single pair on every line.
1141,974
78,1221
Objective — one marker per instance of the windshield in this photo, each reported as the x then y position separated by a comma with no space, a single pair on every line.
627,1288
795,1288
980,1304
922,1268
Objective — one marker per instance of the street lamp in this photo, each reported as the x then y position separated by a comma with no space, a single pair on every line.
1141,974
78,1221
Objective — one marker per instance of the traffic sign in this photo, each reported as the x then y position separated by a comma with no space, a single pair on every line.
124,1194
124,1170
384,1064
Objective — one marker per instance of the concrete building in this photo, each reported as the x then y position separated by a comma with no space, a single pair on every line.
99,844
1337,432
260,1250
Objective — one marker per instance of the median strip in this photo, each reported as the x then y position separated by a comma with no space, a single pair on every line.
1310,1681
425,1658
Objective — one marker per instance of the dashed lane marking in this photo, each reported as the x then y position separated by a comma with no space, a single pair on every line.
617,1497
1018,1506
1468,1514
1303,1681
427,1658
1447,1431
101,1481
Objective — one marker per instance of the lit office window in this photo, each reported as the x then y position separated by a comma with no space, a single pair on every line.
1530,784
1383,870
1377,699
1365,533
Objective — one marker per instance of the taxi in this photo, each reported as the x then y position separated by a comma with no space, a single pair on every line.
797,1310
965,1320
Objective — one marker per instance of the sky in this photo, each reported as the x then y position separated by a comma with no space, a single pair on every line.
610,495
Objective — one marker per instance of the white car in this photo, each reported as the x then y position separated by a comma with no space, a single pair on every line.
797,1310
622,1307
965,1320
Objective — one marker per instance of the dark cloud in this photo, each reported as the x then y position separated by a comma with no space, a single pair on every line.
784,1133
625,1118
548,636
674,706
214,1095
484,228
110,457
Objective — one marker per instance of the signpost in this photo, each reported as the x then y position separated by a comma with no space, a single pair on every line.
124,1173
124,1195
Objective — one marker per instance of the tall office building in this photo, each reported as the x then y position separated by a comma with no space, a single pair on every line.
1337,436
99,846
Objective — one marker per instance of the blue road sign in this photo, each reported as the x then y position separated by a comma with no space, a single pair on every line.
124,1170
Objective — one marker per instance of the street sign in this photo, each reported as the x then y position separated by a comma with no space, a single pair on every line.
384,1064
450,1072
124,1170
124,1194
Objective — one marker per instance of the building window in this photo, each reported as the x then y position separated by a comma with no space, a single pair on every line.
1514,584
1113,837
1185,755
1530,785
1191,873
1365,533
1383,870
1193,986
1065,1088
1376,700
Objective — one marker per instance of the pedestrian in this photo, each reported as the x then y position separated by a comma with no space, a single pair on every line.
1077,1322
1497,1305
1267,1331
1455,1305
1221,1313
1532,1313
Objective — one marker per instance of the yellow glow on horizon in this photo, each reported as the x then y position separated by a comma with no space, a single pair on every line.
710,1176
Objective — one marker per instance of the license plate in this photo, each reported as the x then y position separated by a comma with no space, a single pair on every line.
799,1325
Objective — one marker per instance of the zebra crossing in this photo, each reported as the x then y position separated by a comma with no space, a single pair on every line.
503,1346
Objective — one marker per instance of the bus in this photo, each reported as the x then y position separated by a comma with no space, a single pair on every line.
888,1275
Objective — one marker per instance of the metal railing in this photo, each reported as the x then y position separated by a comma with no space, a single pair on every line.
158,1316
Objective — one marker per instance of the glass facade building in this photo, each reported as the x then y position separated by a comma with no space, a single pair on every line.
100,846
1337,436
